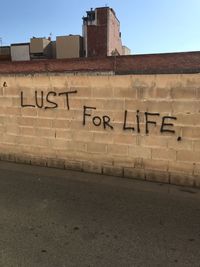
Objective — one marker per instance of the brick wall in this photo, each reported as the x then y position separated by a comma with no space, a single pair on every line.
172,63
97,35
95,47
136,126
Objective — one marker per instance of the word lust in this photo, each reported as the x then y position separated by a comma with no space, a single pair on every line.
47,101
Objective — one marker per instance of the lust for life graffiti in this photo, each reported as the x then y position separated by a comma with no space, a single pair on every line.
48,101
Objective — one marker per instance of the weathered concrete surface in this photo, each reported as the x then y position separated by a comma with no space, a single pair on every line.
61,218
105,124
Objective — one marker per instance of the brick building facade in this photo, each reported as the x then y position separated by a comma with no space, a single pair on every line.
101,32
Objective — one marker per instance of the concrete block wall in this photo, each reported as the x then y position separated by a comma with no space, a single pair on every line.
135,126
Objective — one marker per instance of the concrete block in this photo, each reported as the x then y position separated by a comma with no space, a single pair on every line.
102,137
8,157
29,112
12,111
61,124
42,122
160,165
183,93
158,106
163,154
112,170
152,141
25,121
191,132
181,167
56,163
187,120
139,152
84,136
25,159
156,93
102,92
115,149
39,161
73,165
128,93
92,167
114,104
125,139
157,176
188,156
182,179
67,135
96,148
134,173
82,91
185,107
183,144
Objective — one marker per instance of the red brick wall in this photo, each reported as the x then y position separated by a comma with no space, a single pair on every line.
97,35
102,16
97,41
187,62
138,64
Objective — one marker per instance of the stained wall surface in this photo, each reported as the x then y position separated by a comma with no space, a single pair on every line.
68,46
137,126
114,35
20,52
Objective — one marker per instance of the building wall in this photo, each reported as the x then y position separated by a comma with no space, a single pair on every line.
40,48
20,52
68,46
36,45
114,38
5,53
137,126
125,51
102,35
53,49
96,35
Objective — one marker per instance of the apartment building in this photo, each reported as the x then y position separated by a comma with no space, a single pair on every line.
101,33
101,38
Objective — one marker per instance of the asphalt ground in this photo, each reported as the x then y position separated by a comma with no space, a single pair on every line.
57,218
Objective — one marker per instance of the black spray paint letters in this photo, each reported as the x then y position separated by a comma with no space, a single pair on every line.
125,127
48,100
96,120
105,121
150,119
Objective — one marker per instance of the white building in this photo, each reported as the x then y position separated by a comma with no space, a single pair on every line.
20,52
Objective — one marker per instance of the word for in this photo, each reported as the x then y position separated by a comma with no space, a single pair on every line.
46,101
97,121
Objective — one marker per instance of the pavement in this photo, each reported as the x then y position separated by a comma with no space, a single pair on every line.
57,218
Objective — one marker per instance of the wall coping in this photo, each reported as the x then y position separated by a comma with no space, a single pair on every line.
165,63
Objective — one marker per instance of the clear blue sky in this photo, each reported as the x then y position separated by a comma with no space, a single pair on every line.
147,26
